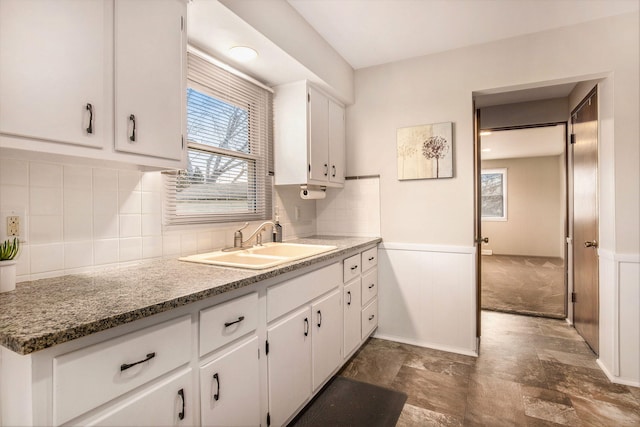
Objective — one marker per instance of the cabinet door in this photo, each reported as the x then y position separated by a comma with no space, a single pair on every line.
327,337
149,78
289,365
230,388
54,63
169,403
318,110
336,143
351,316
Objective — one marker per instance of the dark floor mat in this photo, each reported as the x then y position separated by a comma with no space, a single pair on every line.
345,402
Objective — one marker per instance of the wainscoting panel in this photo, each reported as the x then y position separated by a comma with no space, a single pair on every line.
427,296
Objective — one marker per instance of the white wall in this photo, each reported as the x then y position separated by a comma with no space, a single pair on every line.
84,217
535,208
440,87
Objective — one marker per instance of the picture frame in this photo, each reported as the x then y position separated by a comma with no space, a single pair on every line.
425,151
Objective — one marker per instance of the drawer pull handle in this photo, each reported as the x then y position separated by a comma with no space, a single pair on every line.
371,285
372,258
181,413
354,267
216,377
349,293
89,108
126,366
319,318
227,324
306,327
132,137
371,317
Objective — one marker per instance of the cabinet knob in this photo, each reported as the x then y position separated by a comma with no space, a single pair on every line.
371,317
371,285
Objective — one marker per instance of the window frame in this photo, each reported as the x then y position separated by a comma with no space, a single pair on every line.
260,177
494,171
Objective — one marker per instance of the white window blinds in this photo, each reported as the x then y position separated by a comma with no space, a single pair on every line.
230,139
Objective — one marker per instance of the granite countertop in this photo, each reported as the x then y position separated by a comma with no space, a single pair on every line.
43,313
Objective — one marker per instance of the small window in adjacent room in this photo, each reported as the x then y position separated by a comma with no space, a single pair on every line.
493,184
229,137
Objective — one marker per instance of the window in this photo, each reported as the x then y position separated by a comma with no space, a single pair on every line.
493,185
229,137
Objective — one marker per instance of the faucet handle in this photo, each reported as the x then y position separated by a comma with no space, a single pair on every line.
246,224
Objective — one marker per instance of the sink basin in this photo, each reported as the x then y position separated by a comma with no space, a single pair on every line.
259,257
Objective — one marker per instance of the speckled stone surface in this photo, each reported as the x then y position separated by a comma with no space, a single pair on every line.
42,313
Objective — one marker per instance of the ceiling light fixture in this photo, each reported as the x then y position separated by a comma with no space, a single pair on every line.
243,53
485,133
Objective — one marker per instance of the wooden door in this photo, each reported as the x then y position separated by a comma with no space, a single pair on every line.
584,120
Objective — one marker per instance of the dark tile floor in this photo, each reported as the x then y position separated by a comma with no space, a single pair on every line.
525,285
531,372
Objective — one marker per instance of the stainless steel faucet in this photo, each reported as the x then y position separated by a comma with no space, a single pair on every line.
238,242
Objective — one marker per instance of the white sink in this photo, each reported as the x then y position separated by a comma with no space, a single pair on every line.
259,257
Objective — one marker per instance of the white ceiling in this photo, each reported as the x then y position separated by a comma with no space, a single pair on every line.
530,142
372,32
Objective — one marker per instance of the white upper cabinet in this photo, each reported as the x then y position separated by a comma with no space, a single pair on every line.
149,89
53,71
309,137
77,76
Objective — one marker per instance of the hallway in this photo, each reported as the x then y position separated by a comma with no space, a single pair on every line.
531,372
524,285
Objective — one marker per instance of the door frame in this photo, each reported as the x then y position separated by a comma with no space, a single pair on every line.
478,214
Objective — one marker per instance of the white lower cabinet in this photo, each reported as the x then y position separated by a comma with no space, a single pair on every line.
251,360
169,403
326,342
289,365
352,315
230,387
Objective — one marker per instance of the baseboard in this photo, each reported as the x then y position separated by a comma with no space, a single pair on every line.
614,379
433,346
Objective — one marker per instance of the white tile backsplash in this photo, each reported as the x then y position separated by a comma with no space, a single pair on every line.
82,217
45,175
14,172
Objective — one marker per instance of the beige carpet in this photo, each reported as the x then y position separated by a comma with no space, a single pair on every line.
525,285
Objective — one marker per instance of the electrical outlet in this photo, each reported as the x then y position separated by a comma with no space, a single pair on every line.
13,226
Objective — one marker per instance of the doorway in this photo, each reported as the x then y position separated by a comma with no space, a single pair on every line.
523,201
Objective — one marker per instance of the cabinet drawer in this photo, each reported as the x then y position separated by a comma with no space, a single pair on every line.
226,322
293,293
369,286
351,268
89,377
369,318
369,259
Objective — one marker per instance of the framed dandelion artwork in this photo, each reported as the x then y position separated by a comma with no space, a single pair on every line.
426,151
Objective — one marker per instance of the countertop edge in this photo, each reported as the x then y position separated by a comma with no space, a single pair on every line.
25,346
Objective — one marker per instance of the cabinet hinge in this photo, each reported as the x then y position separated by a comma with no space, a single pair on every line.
573,297
182,23
309,167
183,142
268,419
308,97
266,347
573,138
